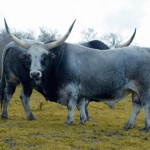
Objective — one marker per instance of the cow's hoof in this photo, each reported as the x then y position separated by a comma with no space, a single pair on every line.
128,126
82,122
83,119
89,118
145,129
4,117
69,122
31,118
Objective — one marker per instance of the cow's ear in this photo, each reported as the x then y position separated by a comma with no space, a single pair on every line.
53,55
23,56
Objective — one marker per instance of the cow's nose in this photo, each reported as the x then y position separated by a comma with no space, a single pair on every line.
35,75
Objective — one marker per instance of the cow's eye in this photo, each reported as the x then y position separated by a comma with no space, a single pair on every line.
23,56
43,60
28,58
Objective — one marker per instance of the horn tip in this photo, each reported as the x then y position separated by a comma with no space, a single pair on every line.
6,26
75,20
134,33
72,25
135,29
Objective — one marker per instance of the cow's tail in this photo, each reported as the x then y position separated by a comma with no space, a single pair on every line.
2,90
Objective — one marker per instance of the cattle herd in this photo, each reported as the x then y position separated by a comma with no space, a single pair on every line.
76,74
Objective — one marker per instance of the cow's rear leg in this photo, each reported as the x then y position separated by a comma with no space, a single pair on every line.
137,106
81,107
135,112
9,91
147,116
25,98
144,98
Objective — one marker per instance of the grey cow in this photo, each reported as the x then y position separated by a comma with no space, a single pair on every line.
16,69
77,72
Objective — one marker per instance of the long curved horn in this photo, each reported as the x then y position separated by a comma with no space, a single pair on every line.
15,39
129,41
54,44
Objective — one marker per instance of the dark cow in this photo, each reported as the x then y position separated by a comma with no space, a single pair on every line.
96,44
15,70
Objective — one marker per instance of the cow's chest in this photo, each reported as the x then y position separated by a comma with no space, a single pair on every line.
67,92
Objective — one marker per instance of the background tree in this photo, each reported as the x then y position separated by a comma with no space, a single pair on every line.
47,34
112,39
25,35
4,37
88,34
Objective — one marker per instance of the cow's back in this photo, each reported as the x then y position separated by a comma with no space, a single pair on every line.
111,70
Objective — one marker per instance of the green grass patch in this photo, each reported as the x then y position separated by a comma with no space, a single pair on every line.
49,131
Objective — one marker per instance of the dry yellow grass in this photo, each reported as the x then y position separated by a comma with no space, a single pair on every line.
48,131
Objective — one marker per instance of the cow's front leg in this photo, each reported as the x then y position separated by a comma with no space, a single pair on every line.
25,98
81,107
8,93
86,110
71,105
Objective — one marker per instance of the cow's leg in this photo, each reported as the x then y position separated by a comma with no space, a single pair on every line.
81,107
135,111
147,116
71,105
9,91
86,110
25,98
145,100
137,106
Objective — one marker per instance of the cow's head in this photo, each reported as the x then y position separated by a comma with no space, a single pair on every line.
38,53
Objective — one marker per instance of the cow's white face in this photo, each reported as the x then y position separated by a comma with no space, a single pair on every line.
38,57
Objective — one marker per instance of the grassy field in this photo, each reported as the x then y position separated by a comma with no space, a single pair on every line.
49,132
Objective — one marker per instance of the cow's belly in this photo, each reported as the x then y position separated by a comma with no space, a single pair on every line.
111,98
